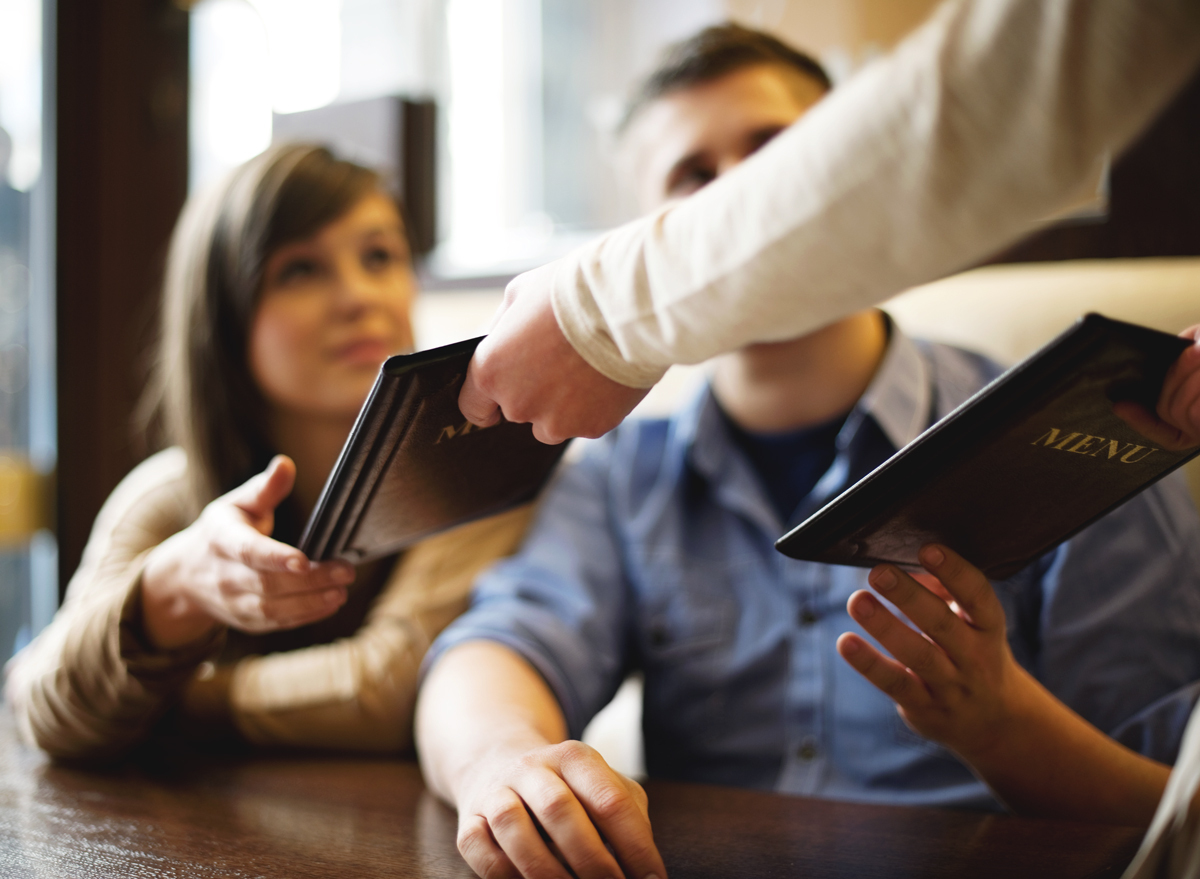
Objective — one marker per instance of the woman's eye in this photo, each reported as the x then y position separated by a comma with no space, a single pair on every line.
296,270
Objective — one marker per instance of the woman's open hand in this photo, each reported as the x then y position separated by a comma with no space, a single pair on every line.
224,569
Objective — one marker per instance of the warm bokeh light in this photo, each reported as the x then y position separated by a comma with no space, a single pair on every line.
304,39
231,99
251,58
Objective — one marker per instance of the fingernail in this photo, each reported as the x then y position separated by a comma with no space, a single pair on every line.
883,579
297,565
334,596
865,606
934,556
849,647
343,574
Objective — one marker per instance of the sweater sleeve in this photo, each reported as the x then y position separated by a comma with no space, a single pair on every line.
89,686
986,120
358,693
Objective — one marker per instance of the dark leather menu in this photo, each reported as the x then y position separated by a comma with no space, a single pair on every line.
413,465
1018,468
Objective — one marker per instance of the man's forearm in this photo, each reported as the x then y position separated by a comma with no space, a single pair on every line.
481,700
1055,764
491,738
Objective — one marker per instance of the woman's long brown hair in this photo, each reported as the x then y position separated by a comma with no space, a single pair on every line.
201,395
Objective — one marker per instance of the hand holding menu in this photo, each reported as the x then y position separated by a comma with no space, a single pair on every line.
413,465
1021,466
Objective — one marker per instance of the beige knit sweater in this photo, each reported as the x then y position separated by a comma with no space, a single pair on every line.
90,686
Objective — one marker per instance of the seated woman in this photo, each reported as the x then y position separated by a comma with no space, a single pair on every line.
286,288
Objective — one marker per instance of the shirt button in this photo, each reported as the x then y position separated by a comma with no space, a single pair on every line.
807,616
807,750
659,636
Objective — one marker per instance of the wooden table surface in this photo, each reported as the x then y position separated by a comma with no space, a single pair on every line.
172,813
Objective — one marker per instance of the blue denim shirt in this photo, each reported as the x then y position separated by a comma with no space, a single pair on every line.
654,552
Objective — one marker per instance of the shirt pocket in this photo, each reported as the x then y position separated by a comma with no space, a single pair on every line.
687,611
686,629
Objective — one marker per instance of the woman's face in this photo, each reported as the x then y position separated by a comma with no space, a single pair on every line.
333,307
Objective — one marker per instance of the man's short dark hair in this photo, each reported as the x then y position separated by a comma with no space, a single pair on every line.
713,53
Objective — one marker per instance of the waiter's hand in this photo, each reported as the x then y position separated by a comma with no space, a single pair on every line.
1176,423
527,370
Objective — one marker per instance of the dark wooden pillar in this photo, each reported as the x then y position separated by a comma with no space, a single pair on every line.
122,68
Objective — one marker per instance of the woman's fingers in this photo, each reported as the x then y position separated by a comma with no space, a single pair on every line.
242,543
970,588
251,612
251,599
904,687
265,585
273,587
284,566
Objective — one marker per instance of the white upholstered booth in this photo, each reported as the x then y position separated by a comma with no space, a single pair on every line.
1009,311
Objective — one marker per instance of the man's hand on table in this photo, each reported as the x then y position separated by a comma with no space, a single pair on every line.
527,370
1176,424
530,812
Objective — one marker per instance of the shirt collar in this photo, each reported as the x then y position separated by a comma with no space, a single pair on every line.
899,398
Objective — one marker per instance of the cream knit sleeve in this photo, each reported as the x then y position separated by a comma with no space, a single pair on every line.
88,687
989,118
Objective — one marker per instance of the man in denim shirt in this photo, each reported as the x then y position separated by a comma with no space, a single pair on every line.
654,552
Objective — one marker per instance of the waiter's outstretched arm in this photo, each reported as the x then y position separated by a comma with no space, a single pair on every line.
986,120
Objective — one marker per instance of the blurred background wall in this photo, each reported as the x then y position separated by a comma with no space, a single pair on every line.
528,93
